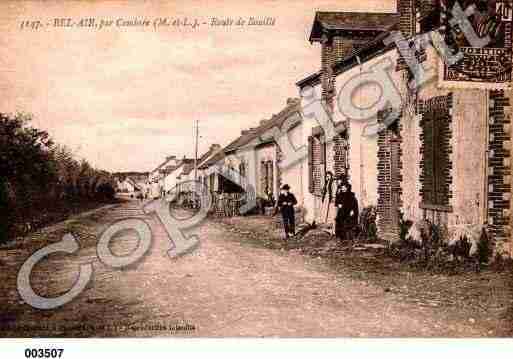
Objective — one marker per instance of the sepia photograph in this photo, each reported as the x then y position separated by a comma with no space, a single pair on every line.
255,169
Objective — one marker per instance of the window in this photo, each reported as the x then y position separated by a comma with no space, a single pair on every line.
316,163
267,177
242,171
435,151
212,182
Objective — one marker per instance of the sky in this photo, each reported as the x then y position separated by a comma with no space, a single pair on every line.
125,97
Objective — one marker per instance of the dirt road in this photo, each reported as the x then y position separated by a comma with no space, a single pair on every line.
226,287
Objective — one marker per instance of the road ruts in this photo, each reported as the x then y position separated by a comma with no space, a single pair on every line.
226,287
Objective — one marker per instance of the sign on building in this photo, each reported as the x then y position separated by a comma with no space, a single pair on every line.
482,34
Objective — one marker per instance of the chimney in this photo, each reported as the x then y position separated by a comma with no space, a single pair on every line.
215,147
292,101
170,158
244,132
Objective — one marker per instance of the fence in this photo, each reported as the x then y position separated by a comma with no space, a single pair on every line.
227,204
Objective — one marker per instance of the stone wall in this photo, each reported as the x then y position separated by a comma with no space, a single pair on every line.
478,151
499,166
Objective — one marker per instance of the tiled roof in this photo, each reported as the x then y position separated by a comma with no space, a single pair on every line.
357,21
310,80
214,159
243,139
159,167
248,136
277,120
169,169
205,156
365,53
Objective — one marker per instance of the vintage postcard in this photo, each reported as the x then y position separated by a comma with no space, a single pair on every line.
290,169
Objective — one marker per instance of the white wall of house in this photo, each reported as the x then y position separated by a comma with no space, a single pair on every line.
126,186
363,159
311,203
363,150
293,174
186,181
170,180
469,132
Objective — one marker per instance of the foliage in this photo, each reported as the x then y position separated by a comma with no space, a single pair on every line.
428,252
484,248
38,176
368,228
404,226
434,252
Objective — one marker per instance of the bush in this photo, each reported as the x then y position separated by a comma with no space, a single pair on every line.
484,248
368,229
429,252
105,191
4,211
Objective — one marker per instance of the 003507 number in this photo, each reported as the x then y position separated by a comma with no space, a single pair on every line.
43,353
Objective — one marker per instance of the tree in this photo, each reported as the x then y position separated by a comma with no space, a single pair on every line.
26,168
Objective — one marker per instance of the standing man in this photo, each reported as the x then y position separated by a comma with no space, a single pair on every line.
347,211
286,203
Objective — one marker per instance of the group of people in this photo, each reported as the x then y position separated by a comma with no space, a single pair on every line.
345,202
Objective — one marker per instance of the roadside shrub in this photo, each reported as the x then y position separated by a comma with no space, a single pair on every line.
4,211
368,229
404,227
427,250
106,191
484,248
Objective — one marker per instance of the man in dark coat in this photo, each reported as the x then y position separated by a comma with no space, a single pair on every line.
347,211
286,203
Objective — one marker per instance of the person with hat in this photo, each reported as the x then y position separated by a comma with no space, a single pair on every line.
286,203
347,210
326,197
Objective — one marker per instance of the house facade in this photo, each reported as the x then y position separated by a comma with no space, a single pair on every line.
457,130
347,49
156,177
262,153
442,152
126,185
252,166
176,174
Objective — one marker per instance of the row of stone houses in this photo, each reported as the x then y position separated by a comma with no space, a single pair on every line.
251,163
446,154
436,148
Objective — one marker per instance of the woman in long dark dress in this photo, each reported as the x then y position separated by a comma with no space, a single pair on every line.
347,212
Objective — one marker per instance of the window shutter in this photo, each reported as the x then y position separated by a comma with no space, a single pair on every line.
322,140
270,186
440,164
429,160
436,148
310,165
